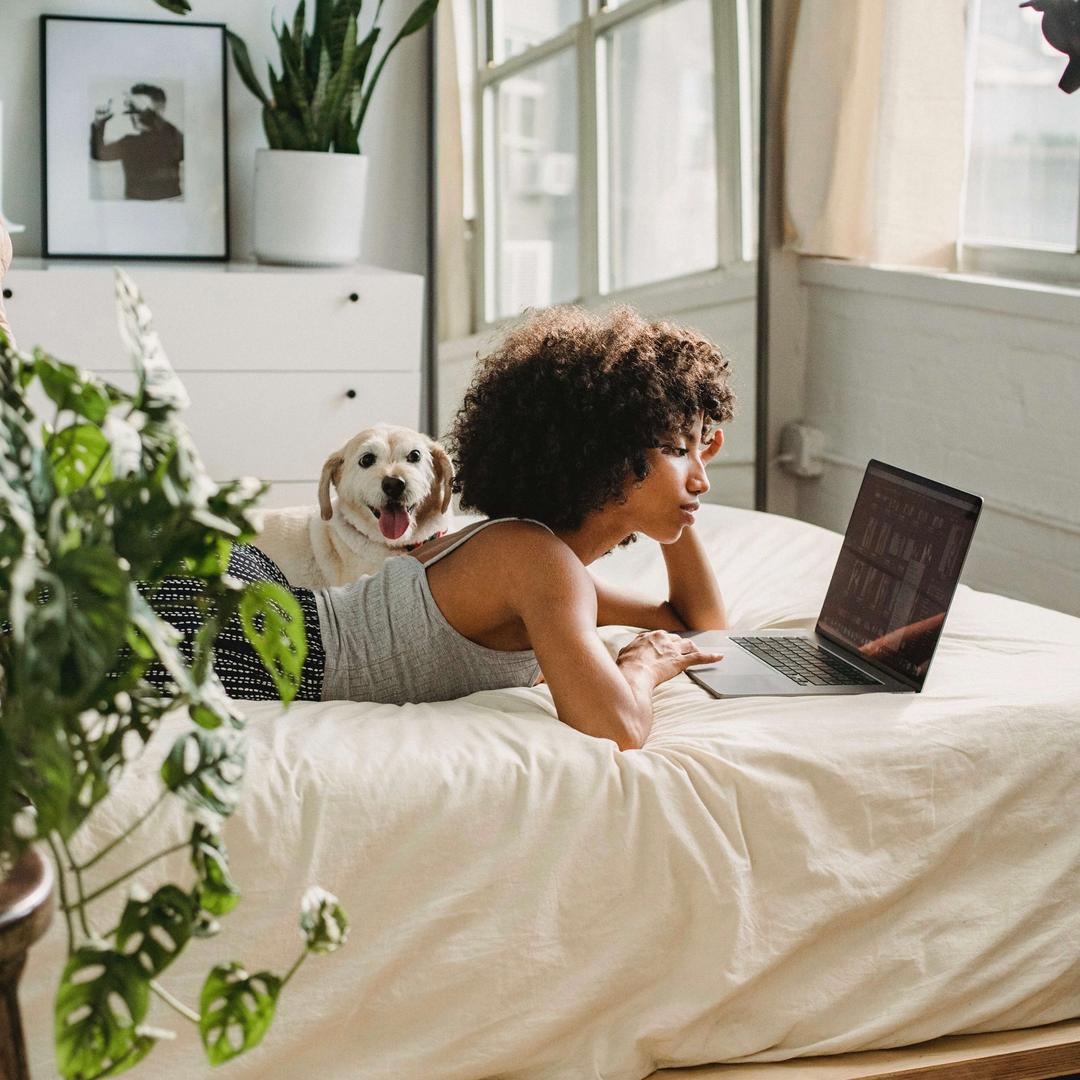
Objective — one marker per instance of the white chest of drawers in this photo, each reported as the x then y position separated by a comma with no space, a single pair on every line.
283,366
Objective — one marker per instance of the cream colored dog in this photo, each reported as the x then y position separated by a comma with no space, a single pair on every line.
393,493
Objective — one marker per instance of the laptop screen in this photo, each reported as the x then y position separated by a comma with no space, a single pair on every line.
898,568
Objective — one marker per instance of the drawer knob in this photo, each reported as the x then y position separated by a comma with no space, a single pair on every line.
354,296
350,393
8,294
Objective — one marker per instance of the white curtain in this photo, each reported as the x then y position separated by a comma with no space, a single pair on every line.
874,130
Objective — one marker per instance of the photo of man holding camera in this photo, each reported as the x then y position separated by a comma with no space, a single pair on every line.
153,155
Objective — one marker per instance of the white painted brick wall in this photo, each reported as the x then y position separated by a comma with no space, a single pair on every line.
976,384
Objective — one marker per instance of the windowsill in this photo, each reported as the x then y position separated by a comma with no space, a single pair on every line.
674,296
1007,296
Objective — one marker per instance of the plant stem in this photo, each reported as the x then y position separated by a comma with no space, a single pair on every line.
63,892
120,839
179,1006
78,886
289,974
134,870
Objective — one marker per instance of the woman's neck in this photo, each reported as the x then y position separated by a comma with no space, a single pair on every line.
598,534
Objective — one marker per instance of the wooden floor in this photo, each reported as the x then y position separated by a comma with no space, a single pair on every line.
1028,1054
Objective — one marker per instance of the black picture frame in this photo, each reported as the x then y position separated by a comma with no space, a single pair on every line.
148,178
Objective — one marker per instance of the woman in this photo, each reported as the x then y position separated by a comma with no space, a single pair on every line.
577,433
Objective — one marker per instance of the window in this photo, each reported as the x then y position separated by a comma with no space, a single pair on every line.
1022,199
616,146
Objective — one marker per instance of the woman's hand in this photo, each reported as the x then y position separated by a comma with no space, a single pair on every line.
660,656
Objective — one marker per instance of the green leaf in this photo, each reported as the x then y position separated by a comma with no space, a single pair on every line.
283,132
236,1010
322,921
103,997
363,58
215,891
74,453
420,17
71,388
158,928
338,88
205,769
177,7
96,601
161,638
298,22
274,624
243,66
318,102
342,21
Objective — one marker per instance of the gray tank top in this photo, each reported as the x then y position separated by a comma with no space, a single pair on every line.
387,641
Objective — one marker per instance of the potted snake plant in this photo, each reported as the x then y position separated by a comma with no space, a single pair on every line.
102,496
310,183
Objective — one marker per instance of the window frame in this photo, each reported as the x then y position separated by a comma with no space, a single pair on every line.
734,120
1030,262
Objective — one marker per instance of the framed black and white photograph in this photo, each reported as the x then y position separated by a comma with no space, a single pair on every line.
134,139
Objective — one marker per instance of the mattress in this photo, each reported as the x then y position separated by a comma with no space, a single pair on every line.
766,878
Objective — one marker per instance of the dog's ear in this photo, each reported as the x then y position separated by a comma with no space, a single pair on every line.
444,475
331,470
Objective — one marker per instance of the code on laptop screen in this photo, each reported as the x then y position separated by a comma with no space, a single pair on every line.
898,568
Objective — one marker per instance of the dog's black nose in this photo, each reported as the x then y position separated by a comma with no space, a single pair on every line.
393,487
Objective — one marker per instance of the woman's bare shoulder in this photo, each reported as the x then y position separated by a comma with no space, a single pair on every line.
529,554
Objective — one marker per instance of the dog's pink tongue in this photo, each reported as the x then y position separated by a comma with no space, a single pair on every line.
393,522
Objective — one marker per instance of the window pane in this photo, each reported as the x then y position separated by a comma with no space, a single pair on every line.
520,24
536,227
661,149
1024,171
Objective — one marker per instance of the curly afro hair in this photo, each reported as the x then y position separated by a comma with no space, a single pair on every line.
562,414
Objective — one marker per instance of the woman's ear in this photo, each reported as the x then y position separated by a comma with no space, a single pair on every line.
716,440
331,470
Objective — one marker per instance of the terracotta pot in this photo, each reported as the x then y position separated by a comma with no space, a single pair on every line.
26,909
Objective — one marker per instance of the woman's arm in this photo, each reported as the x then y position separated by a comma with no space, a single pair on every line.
693,593
694,600
600,696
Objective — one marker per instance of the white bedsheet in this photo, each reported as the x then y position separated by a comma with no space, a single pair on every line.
767,878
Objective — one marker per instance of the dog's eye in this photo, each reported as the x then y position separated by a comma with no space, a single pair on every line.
414,456
367,461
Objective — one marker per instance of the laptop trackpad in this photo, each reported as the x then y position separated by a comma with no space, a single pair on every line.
737,663
739,672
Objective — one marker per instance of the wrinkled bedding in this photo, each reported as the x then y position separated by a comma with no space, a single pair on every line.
767,878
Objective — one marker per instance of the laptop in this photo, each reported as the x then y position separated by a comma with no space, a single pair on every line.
886,605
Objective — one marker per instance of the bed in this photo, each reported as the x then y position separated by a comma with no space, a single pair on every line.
767,879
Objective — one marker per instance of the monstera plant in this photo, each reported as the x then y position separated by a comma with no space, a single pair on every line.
102,496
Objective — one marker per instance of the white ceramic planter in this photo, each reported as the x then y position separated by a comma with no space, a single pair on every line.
308,207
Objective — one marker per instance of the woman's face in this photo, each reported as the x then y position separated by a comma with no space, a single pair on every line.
664,503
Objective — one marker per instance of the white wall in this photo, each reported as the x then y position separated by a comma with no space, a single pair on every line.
394,134
975,383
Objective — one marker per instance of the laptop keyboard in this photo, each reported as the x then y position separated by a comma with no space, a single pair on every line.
803,661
